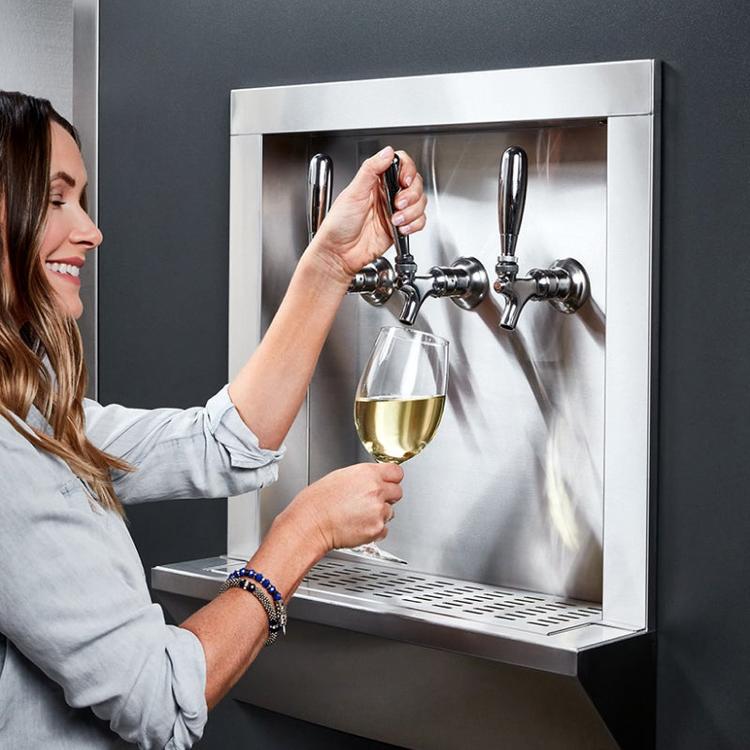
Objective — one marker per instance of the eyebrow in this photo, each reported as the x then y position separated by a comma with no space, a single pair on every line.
63,176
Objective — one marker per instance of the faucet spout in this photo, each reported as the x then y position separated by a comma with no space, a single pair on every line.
412,303
415,292
516,292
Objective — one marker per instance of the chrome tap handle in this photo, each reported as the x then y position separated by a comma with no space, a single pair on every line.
319,192
565,285
511,200
405,266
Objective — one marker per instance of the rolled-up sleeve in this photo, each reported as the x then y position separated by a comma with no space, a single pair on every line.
70,604
182,453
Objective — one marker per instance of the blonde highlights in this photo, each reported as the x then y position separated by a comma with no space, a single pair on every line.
41,353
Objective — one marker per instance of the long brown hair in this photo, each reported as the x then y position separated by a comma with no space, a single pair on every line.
41,354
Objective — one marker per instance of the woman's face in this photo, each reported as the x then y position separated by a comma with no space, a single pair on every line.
69,234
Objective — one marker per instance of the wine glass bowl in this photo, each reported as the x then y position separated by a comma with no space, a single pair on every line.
401,394
400,398
395,429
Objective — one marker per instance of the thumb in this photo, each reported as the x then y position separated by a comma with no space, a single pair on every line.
368,175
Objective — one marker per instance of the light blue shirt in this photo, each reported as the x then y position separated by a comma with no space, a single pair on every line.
86,659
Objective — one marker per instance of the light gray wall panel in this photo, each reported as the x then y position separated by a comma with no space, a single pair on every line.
49,48
36,50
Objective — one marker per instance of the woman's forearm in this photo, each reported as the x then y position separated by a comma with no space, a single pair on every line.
233,627
269,390
345,508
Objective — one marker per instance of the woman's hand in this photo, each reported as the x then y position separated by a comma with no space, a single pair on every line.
347,507
356,229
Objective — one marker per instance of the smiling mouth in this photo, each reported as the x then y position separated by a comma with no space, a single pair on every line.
66,270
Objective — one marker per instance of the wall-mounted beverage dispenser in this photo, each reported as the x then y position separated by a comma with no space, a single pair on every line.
527,522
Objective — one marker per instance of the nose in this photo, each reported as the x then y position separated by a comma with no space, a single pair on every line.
85,232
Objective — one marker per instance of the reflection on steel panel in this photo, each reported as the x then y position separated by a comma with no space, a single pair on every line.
509,493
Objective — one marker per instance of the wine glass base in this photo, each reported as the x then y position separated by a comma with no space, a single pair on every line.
371,551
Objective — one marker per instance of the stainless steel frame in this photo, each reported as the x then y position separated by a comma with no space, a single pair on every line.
625,97
86,119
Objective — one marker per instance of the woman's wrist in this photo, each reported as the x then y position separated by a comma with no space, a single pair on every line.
324,265
303,532
289,550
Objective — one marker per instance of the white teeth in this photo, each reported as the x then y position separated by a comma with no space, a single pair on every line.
68,268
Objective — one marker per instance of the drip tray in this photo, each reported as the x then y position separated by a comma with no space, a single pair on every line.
389,601
489,605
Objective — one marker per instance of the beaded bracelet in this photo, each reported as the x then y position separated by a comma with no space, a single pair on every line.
261,579
277,618
274,625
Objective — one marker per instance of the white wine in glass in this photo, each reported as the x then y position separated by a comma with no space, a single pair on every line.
400,400
395,429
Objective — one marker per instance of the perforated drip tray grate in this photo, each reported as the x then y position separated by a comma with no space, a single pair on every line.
490,605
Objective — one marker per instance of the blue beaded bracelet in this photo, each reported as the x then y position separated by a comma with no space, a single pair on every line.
273,592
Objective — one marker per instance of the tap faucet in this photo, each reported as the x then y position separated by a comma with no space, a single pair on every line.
375,281
565,284
319,192
465,281
412,287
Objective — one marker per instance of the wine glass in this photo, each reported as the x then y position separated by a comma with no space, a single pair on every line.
400,400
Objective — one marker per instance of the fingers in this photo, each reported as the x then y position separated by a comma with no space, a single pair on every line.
389,516
389,472
391,475
382,535
415,226
369,173
393,493
411,218
408,171
411,195
411,201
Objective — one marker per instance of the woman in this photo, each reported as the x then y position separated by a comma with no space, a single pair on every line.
86,659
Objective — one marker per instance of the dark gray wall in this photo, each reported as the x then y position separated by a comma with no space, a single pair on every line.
166,71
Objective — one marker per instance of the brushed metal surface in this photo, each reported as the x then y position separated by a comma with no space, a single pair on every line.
632,190
553,648
510,490
243,511
512,608
413,696
526,481
560,92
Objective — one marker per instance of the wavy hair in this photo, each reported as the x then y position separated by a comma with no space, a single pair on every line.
41,353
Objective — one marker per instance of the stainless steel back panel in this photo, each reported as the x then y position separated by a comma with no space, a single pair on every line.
540,476
509,493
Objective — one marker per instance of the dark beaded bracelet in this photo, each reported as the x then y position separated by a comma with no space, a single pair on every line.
246,578
261,579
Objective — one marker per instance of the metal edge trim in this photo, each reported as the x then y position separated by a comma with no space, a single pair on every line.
626,523
275,109
654,350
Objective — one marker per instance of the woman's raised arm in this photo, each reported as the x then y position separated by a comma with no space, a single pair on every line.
269,389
